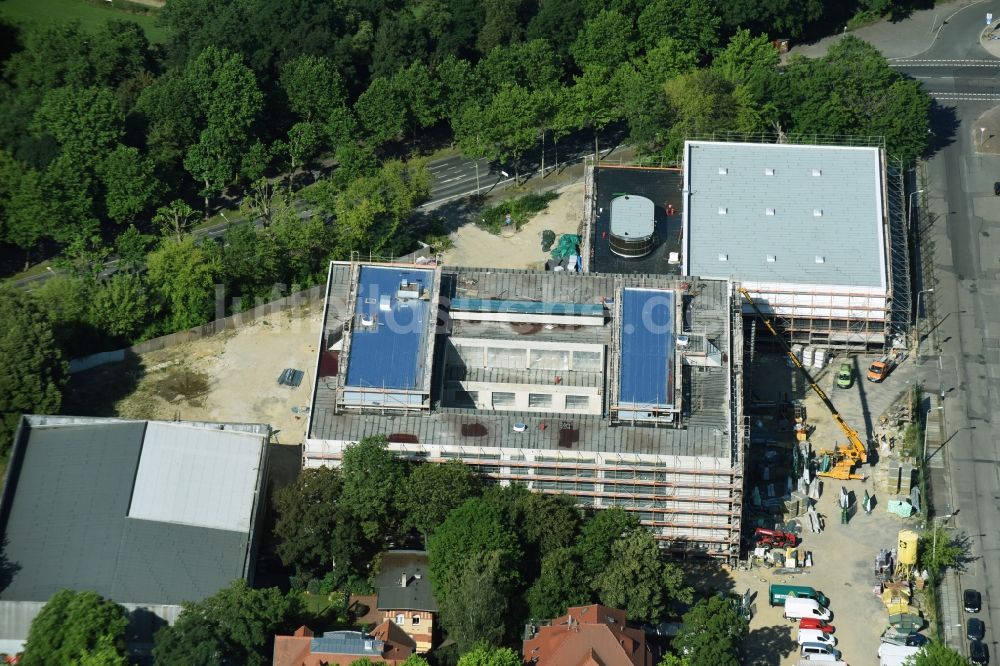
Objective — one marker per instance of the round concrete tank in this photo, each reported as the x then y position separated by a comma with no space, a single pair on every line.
632,226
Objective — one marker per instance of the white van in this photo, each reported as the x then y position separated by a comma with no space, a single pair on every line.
797,608
815,636
809,649
895,655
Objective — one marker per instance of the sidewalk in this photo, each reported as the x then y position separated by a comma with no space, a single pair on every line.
903,39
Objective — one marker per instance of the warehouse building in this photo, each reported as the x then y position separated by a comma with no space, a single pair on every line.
816,233
148,514
616,389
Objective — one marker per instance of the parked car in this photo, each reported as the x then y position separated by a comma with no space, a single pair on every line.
796,609
996,188
816,636
807,649
972,600
845,376
975,629
979,654
917,640
813,623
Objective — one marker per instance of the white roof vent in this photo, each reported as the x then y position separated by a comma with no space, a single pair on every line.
723,257
768,211
817,212
723,210
817,172
768,171
771,258
682,340
820,260
723,171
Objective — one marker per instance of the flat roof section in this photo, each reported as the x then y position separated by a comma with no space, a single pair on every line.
525,307
632,216
389,330
647,348
662,187
785,213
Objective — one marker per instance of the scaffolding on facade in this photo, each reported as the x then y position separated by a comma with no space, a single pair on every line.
898,322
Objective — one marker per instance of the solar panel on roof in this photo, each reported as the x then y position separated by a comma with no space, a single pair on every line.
647,348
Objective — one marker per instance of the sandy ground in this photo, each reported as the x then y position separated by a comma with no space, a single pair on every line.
523,249
241,368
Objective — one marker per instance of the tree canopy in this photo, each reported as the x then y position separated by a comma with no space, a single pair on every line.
34,370
77,628
712,632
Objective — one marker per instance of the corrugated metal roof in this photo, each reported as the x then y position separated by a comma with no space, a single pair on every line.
68,523
647,353
178,479
785,213
388,352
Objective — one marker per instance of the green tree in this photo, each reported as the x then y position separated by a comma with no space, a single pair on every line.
712,633
559,585
370,210
73,628
303,245
511,124
381,110
65,301
490,656
598,537
303,144
938,550
314,87
174,218
181,273
593,101
373,478
640,580
86,122
475,611
306,512
501,25
170,113
130,185
473,529
421,92
122,305
692,23
607,40
702,101
34,371
235,625
747,58
533,65
431,491
937,654
131,247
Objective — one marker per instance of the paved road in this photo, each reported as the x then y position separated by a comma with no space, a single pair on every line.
966,300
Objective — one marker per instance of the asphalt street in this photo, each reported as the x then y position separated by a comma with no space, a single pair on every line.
965,303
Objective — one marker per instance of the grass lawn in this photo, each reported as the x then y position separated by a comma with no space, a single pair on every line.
90,13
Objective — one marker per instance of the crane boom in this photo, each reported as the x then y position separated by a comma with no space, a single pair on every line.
858,449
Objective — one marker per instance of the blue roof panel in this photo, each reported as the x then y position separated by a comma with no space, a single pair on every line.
647,348
389,354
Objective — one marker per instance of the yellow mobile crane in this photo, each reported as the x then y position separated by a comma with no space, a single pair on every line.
845,458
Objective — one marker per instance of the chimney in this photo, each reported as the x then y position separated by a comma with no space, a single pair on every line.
403,580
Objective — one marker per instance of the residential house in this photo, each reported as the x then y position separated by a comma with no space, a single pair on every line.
405,596
386,644
592,635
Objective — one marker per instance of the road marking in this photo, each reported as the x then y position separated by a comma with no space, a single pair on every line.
966,97
899,62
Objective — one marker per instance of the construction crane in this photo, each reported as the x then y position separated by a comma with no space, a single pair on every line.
845,459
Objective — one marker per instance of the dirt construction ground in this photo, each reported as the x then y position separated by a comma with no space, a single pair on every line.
523,249
230,376
843,554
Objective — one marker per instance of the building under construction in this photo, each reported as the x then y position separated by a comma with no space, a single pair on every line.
816,233
620,390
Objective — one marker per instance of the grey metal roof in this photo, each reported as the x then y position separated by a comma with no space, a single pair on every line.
178,479
67,523
416,594
632,216
815,210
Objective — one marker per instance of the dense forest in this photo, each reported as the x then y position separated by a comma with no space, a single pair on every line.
114,148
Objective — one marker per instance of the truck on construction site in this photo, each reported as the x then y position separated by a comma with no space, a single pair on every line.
881,368
777,594
775,538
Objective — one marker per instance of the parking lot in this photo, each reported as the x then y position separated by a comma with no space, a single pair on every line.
843,554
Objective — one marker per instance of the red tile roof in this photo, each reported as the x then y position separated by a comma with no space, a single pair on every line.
589,636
